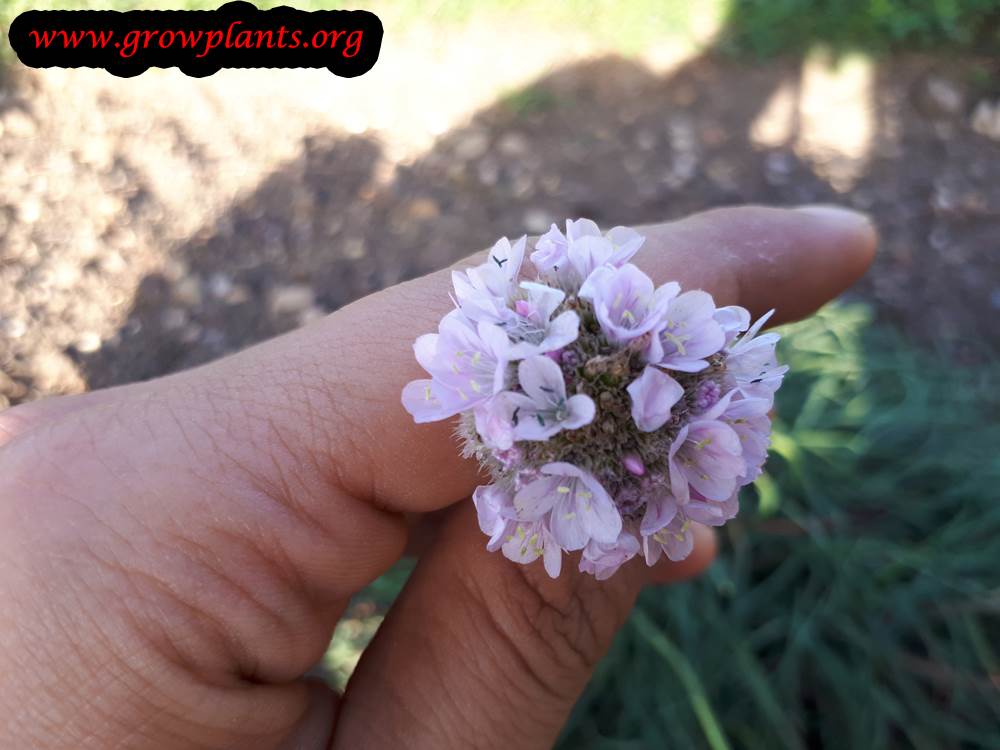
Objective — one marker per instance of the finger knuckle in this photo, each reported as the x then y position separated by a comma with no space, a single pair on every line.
556,630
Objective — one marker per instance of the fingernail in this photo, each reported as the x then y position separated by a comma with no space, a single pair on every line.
844,218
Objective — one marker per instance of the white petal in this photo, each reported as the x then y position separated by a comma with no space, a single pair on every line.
581,412
536,499
425,349
552,558
562,331
581,228
425,401
542,379
543,297
660,510
601,519
588,253
653,394
567,523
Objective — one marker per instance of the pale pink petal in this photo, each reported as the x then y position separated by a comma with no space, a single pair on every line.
653,394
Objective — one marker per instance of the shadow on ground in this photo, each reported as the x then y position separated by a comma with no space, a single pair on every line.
609,140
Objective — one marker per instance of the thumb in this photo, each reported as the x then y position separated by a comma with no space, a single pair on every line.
479,652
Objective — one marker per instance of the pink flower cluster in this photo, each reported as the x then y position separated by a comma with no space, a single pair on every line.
610,413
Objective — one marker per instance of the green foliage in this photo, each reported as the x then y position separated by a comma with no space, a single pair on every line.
529,100
854,603
855,600
769,27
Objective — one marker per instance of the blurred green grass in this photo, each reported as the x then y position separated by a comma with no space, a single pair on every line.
856,599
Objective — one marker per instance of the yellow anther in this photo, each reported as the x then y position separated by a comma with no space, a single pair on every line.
585,494
569,516
562,489
533,539
702,443
476,357
427,393
475,386
676,341
627,315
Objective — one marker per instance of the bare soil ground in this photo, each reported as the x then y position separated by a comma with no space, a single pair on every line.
152,224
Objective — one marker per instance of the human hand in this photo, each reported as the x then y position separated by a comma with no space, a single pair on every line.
174,554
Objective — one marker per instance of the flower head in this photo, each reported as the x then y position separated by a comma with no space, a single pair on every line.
611,414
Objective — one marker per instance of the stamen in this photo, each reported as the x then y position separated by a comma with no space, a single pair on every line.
676,341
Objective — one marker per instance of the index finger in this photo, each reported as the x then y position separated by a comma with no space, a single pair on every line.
352,366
